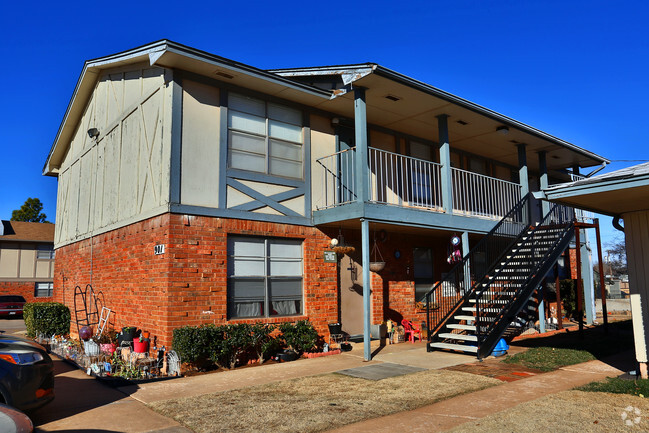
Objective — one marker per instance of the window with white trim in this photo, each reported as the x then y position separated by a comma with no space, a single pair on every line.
264,277
264,137
44,290
45,252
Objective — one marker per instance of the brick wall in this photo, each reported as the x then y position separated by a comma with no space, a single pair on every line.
25,289
188,284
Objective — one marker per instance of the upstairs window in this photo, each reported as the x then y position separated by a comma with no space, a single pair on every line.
264,137
45,252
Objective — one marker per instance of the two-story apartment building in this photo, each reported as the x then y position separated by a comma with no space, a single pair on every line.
196,189
27,260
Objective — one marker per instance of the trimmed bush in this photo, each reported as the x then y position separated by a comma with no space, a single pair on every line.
300,336
195,344
236,339
46,318
262,342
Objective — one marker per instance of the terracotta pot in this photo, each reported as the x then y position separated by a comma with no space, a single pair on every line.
145,334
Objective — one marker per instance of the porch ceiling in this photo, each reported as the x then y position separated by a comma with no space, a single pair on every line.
471,127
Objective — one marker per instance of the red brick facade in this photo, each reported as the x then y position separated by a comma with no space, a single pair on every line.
187,285
26,289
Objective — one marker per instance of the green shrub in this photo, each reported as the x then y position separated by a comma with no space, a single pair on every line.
236,339
195,344
46,318
300,336
262,342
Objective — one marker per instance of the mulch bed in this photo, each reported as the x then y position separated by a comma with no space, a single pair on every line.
496,369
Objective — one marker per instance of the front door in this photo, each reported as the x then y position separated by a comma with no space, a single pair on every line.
351,296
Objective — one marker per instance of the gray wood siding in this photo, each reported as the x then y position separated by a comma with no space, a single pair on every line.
122,176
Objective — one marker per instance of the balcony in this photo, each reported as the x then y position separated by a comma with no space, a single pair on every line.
407,182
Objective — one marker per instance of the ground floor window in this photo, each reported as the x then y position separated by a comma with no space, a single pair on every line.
44,290
264,277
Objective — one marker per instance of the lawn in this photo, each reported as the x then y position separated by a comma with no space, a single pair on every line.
569,412
615,385
316,403
549,358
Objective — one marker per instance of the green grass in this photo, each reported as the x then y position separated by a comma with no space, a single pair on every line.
639,387
549,358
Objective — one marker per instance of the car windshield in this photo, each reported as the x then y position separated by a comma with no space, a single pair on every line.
12,298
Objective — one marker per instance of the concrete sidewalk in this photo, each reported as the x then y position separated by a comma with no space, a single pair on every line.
450,413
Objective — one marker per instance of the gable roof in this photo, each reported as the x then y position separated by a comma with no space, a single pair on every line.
27,232
413,115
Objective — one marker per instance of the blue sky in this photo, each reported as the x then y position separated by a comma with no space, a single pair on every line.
577,70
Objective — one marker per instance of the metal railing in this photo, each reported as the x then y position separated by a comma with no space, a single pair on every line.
412,182
480,195
404,180
502,293
452,291
339,180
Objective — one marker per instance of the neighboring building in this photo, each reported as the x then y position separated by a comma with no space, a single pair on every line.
622,194
27,260
196,189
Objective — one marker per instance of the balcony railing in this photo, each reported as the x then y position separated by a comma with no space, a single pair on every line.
481,195
411,182
404,180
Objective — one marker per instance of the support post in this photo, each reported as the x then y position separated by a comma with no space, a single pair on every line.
467,266
579,288
367,292
543,181
445,161
360,130
557,285
523,179
602,285
541,309
587,278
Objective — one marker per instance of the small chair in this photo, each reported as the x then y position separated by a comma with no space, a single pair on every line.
410,330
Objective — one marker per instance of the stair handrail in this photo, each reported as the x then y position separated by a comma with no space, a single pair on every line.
556,215
460,268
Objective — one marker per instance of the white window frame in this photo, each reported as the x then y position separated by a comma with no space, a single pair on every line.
266,136
267,306
49,290
45,252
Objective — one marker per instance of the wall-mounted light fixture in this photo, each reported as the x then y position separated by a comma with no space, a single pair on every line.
502,130
335,121
93,133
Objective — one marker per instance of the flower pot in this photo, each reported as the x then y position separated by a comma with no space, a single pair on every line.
145,334
286,356
128,333
377,266
140,347
107,348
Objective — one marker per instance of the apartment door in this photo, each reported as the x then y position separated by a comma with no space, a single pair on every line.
351,296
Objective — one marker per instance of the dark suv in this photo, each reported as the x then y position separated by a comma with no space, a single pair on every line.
11,305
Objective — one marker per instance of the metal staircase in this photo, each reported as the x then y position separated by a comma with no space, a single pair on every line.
472,307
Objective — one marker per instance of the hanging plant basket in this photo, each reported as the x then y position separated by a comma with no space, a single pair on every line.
343,249
377,266
379,263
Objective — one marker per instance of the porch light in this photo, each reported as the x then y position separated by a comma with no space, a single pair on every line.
93,132
502,130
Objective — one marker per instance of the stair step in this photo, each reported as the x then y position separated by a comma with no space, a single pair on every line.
451,336
463,327
488,310
458,347
462,317
492,301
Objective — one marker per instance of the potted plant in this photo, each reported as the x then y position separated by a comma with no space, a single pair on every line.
141,344
107,341
127,334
